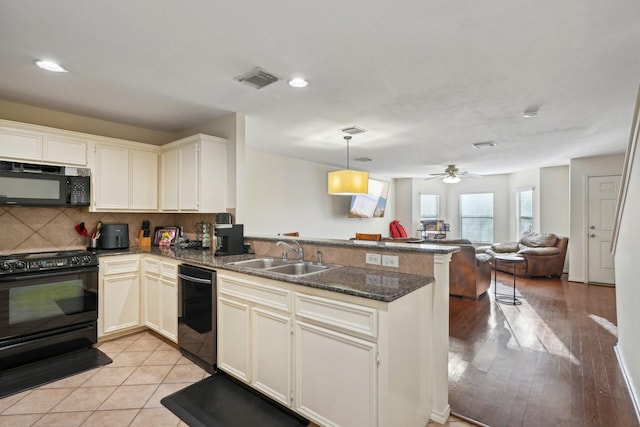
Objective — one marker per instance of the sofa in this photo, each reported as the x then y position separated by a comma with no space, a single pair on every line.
544,254
469,272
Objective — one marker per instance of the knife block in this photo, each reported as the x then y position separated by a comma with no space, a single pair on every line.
144,242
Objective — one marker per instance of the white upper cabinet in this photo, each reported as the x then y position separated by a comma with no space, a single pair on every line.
194,175
65,150
111,189
23,142
125,178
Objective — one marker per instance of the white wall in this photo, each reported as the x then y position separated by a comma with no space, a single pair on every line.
579,170
283,194
555,196
627,290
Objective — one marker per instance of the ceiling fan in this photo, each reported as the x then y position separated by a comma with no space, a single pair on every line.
452,175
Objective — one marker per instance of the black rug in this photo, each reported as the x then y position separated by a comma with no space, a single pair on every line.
218,401
48,370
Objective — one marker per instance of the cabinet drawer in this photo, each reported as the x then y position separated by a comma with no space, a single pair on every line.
151,265
168,270
338,315
117,266
259,293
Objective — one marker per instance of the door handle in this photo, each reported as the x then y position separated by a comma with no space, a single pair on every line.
592,235
593,227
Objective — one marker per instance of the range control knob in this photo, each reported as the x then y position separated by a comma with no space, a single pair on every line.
86,259
75,260
4,266
19,265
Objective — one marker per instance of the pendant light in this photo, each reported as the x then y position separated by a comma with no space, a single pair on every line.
347,182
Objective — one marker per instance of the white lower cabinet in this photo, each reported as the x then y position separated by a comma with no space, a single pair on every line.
336,377
319,360
254,333
272,362
119,294
160,293
234,342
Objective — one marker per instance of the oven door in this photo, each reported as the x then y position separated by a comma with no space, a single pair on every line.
33,303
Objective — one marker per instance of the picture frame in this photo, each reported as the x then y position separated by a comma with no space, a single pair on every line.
159,231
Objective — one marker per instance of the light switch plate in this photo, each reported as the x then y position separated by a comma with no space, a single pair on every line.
373,259
390,261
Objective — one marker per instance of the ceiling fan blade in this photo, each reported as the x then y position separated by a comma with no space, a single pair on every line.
469,175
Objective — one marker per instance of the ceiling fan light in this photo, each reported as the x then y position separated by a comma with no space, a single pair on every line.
347,182
451,179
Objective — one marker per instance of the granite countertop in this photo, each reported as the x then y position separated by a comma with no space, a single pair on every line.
404,245
377,285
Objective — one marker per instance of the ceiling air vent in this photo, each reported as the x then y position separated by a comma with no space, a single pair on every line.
353,130
257,78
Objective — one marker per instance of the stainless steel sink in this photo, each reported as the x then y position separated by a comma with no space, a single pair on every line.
260,263
286,268
300,269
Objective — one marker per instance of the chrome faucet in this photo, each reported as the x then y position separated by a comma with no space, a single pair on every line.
299,253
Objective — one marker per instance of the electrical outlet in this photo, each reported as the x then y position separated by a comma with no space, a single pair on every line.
373,259
390,261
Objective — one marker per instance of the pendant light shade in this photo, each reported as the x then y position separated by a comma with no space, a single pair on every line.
347,182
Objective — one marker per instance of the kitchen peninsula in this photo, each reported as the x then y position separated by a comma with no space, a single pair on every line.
356,345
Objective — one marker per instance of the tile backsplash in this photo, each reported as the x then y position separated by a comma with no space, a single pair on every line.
39,229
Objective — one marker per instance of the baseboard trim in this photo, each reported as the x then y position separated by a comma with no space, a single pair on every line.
441,417
625,373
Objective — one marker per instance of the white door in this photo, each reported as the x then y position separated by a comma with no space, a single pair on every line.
271,345
152,301
188,181
111,178
234,345
336,377
603,196
144,180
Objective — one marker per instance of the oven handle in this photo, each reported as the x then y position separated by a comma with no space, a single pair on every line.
41,275
194,279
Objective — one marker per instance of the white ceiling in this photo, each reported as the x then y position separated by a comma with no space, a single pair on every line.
426,78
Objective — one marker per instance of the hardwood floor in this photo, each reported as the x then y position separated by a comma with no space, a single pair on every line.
547,362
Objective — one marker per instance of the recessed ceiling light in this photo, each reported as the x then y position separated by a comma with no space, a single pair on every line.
50,66
527,114
485,144
298,82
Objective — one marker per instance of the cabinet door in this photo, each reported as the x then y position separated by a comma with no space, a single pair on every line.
271,345
169,309
144,180
169,188
19,144
68,151
336,377
121,302
112,177
189,177
152,298
234,346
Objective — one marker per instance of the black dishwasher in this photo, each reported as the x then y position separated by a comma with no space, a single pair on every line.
197,315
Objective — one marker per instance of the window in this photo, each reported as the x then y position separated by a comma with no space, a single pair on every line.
429,207
524,206
476,217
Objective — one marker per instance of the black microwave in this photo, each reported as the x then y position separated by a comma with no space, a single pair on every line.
43,185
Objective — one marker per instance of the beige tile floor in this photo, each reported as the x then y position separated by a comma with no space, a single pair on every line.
126,392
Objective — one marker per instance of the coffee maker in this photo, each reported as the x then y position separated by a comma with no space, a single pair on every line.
230,239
